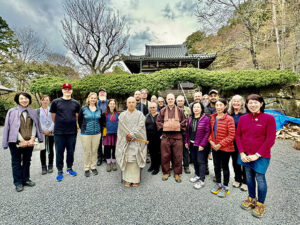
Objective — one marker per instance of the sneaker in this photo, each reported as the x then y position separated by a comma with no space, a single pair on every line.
19,188
259,210
194,179
60,176
177,178
244,187
108,167
187,170
44,170
50,168
154,172
165,177
248,204
114,167
71,172
216,189
199,184
236,184
95,172
223,192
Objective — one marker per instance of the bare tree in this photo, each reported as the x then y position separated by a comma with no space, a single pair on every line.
94,33
250,13
32,47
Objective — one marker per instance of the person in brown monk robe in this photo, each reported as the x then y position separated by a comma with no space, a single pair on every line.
172,122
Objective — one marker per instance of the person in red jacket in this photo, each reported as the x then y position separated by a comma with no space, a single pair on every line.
255,136
221,139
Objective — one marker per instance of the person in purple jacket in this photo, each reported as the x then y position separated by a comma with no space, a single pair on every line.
21,127
255,136
197,133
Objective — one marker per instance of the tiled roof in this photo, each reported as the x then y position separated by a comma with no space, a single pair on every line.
169,52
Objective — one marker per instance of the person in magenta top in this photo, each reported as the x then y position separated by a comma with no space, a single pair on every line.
255,136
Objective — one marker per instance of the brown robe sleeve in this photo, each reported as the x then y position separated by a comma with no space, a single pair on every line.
160,119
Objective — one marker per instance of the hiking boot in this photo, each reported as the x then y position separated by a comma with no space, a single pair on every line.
50,168
236,184
259,210
187,170
108,167
87,173
244,187
165,177
194,179
223,192
60,176
71,172
114,167
178,178
199,184
44,170
216,189
29,183
95,172
248,204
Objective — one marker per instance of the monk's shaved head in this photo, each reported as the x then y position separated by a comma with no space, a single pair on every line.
131,104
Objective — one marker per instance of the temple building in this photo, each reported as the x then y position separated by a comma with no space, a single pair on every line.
158,57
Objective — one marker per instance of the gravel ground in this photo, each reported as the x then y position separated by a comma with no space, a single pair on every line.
103,199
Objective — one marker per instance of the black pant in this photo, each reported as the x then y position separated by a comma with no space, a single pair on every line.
109,152
100,153
154,150
20,163
239,171
50,155
207,149
62,142
221,161
186,154
199,160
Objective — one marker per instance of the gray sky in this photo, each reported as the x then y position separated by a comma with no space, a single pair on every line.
150,21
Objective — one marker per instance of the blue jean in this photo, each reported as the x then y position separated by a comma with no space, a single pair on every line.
199,160
20,163
262,187
62,142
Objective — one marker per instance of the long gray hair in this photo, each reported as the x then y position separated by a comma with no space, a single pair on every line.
242,109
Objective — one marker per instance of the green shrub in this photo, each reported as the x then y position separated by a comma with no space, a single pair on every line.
124,84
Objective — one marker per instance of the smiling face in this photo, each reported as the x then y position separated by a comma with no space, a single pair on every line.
112,106
23,101
153,107
170,100
197,97
237,103
180,101
45,102
220,107
197,109
254,106
93,99
67,92
213,98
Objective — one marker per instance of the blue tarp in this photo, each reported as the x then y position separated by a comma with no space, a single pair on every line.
281,119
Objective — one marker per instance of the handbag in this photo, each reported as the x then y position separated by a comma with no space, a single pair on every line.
38,146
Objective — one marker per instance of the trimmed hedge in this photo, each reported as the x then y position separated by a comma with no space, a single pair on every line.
123,85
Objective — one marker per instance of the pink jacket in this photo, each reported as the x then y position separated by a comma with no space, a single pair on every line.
256,134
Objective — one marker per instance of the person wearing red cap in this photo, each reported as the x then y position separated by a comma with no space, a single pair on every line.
64,113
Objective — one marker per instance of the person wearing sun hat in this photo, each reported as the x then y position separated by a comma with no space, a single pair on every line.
64,113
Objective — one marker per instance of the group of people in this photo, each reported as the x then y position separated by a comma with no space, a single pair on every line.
171,132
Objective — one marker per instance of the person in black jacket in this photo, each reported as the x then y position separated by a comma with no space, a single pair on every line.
153,137
139,105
